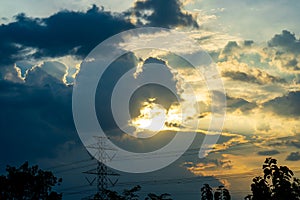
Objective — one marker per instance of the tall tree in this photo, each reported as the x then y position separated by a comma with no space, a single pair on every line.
222,193
26,183
278,183
206,192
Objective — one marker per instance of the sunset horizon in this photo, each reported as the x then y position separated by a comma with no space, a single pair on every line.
166,94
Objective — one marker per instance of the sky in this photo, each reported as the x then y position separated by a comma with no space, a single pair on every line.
255,45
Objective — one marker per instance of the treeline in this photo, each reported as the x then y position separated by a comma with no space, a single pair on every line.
32,183
277,183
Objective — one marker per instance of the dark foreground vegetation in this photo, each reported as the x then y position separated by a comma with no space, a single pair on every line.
277,183
32,183
27,182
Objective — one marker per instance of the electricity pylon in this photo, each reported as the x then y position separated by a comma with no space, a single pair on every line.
102,173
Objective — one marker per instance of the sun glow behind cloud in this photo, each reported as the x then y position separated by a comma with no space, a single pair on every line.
154,117
262,81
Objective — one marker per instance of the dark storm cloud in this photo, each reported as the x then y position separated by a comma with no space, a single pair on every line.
166,13
63,33
257,77
230,46
36,117
107,84
248,43
77,33
48,72
9,51
154,60
268,153
294,156
295,143
239,103
287,41
240,76
292,64
286,105
292,141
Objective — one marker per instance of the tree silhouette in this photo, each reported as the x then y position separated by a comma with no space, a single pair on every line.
125,195
206,192
222,193
164,196
260,189
26,183
130,194
277,183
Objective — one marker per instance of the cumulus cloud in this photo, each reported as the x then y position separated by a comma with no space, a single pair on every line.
268,153
239,103
271,71
295,143
12,74
234,48
77,33
232,140
209,166
36,118
282,142
36,112
231,45
287,41
255,76
248,43
293,63
281,52
63,33
167,13
287,105
293,156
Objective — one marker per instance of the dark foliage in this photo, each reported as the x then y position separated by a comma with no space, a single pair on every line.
278,183
26,183
164,196
221,193
206,192
130,194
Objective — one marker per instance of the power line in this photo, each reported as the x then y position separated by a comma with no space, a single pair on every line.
102,173
68,164
138,156
189,152
184,180
174,181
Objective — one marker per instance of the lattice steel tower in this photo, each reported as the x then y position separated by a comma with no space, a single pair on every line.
102,173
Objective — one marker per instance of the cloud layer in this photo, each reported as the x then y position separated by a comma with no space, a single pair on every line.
77,33
63,33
